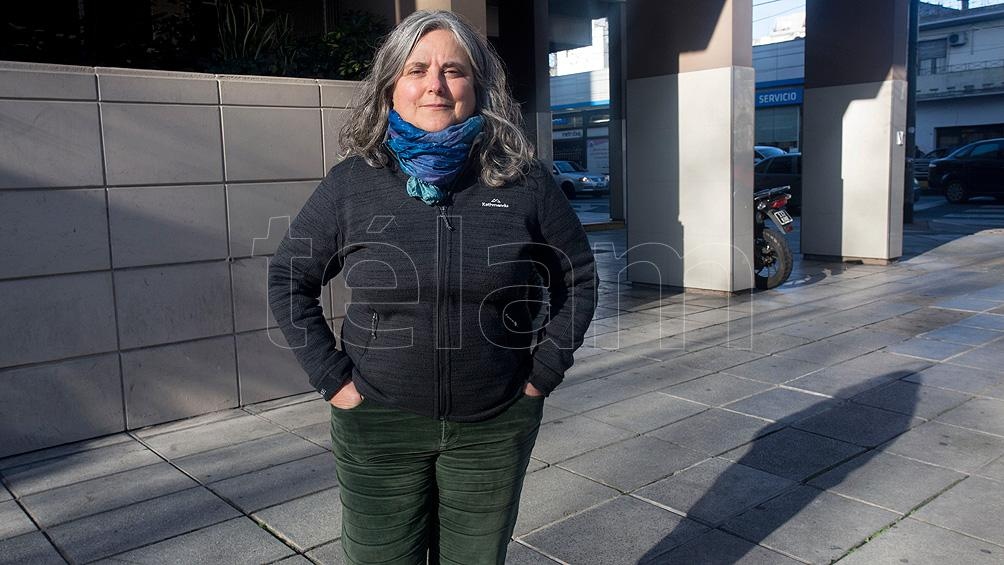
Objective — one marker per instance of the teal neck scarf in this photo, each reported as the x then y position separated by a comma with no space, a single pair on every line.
433,159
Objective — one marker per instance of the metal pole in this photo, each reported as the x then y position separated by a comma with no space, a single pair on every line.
911,110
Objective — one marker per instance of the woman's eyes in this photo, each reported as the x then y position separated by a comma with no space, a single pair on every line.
452,72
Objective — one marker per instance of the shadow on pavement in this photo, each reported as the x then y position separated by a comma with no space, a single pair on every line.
782,479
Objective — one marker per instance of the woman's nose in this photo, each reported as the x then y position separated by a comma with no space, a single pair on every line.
435,82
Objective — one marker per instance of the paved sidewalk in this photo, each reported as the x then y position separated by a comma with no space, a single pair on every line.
854,414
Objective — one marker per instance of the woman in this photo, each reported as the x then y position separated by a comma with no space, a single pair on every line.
439,219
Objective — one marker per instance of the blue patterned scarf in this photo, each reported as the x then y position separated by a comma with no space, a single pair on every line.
433,159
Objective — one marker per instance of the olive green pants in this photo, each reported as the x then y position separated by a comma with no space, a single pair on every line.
415,488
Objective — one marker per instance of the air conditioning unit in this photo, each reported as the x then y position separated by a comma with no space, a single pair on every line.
957,39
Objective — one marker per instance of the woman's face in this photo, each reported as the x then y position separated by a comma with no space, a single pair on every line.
436,87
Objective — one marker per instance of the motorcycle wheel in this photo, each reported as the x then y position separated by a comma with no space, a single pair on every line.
774,262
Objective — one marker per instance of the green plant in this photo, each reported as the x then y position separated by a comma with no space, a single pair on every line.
346,52
251,40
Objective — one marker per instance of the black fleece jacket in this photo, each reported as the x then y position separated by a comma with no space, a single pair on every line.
442,296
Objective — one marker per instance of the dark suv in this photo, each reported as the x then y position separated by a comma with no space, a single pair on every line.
971,170
780,170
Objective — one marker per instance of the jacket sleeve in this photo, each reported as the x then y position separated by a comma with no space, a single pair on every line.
565,261
307,258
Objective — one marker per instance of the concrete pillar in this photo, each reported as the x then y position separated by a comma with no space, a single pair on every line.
854,129
689,132
618,195
522,43
474,10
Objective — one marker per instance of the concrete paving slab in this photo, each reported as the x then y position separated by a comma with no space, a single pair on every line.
812,525
886,364
989,357
123,529
552,494
920,321
948,446
305,522
275,485
714,490
986,321
993,470
13,521
190,423
602,365
299,415
860,425
714,431
328,554
912,541
62,450
52,473
965,335
825,352
717,389
295,560
716,547
623,530
714,359
536,465
766,343
655,377
840,382
318,434
928,349
967,304
561,439
629,464
980,414
30,548
237,541
890,481
912,399
782,405
792,453
774,369
967,508
5,494
75,500
646,412
552,413
230,431
226,462
953,377
260,407
519,554
583,396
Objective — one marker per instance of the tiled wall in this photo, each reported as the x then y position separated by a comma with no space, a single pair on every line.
134,241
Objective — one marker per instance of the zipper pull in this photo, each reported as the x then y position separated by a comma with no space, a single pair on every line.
442,214
373,326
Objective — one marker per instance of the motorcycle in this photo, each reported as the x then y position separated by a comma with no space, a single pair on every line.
772,260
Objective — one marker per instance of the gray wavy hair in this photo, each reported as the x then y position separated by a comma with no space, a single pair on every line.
505,152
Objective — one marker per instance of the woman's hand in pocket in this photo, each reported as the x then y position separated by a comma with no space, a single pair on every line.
530,390
347,397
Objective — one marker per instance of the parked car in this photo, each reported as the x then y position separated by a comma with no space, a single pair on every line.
781,170
972,170
575,180
920,163
761,152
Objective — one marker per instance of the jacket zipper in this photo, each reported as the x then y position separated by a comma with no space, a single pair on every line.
373,325
442,351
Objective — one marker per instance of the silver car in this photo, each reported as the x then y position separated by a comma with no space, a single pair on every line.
574,180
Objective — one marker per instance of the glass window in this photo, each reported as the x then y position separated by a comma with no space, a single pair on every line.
781,166
761,167
985,151
568,166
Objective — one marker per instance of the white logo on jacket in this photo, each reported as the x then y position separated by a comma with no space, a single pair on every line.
495,203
